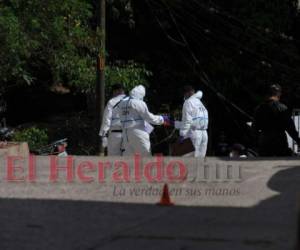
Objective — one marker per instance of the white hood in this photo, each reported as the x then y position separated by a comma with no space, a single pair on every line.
198,95
138,92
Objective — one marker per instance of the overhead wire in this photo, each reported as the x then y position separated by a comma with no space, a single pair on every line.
250,51
283,68
203,77
237,48
244,26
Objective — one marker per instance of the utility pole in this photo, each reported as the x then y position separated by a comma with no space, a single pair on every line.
100,85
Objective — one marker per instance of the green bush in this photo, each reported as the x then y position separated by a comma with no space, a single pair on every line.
46,36
35,137
130,74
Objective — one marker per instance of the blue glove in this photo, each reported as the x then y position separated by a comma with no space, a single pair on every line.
167,121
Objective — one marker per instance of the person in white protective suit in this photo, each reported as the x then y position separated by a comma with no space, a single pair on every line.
111,129
136,123
194,121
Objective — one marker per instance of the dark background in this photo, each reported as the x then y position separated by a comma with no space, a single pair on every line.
242,46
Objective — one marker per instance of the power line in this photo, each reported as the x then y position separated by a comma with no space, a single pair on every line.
285,72
239,45
243,26
202,75
264,59
167,35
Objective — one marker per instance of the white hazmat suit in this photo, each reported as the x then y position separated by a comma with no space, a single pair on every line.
195,123
111,126
136,120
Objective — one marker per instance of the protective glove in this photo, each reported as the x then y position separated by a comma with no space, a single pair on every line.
104,141
167,121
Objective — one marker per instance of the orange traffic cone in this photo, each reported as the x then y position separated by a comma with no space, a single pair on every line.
165,198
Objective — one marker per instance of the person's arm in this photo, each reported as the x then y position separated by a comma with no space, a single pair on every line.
187,119
142,109
106,121
290,127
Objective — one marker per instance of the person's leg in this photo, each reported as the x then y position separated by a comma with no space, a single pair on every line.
114,144
140,142
127,143
266,146
200,142
273,144
196,143
202,148
283,146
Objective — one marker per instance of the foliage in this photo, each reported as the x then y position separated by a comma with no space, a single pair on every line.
37,38
58,40
130,74
35,137
122,11
14,48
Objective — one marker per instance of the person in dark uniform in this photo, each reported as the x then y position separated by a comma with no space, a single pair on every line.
272,120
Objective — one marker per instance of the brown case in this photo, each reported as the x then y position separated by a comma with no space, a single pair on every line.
183,148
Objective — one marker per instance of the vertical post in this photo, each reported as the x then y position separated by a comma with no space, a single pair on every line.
100,86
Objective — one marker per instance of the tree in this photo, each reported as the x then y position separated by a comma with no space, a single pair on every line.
55,39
